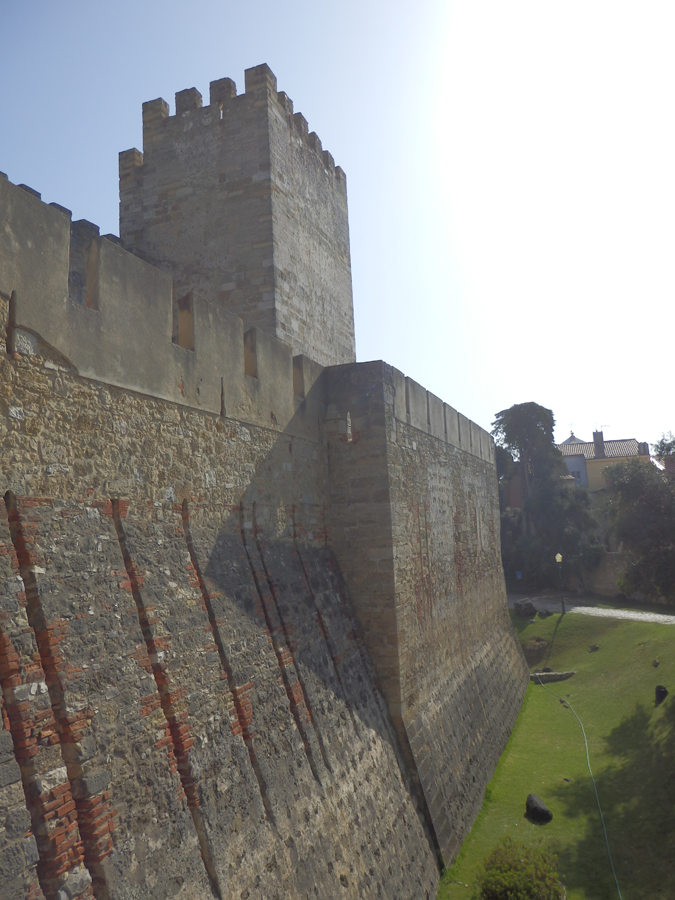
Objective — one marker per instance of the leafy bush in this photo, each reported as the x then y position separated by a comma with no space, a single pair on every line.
517,871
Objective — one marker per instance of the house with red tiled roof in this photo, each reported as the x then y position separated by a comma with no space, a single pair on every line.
585,460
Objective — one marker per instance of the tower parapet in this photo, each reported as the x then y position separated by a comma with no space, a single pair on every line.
238,201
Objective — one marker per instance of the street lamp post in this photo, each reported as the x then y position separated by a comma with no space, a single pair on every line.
558,559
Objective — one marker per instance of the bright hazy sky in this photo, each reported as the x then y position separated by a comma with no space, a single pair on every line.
510,169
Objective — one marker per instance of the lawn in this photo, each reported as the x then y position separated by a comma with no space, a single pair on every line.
632,751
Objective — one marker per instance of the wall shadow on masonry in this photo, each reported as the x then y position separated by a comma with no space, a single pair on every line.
208,652
217,712
313,714
459,675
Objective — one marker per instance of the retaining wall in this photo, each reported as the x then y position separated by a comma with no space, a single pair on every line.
203,695
414,516
194,705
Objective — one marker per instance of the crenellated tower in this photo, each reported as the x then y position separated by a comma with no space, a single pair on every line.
238,202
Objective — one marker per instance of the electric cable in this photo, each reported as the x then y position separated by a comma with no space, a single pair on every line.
588,762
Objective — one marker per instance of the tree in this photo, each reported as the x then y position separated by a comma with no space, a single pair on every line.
506,467
525,430
664,449
560,522
555,518
641,511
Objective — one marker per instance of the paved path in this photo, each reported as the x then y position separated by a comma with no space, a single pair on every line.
553,605
622,614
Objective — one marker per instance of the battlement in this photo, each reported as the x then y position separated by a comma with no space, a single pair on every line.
117,319
238,201
111,317
421,409
223,103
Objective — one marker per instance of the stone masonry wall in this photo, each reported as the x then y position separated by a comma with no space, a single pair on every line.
461,669
236,201
312,264
191,707
414,520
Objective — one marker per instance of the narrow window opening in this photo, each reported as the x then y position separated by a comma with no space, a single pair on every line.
298,377
186,322
91,270
349,428
11,324
83,263
250,354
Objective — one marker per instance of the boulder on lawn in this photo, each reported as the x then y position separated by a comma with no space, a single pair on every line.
536,810
525,608
545,613
661,693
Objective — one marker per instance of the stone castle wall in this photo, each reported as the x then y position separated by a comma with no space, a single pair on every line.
238,202
199,700
253,631
414,517
461,672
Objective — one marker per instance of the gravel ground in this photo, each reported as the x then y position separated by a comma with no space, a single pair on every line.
552,603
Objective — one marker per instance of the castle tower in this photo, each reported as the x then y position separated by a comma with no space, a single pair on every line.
237,201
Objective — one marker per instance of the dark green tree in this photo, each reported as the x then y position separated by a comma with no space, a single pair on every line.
560,522
525,431
555,518
506,466
641,511
664,449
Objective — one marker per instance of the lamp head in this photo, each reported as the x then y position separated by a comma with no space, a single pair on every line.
558,557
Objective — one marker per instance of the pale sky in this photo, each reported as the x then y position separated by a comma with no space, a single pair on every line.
510,170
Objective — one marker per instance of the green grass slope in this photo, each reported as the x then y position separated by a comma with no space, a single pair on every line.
632,751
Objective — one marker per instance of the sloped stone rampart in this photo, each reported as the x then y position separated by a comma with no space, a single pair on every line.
414,517
20,677
210,705
108,729
194,706
462,672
